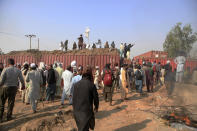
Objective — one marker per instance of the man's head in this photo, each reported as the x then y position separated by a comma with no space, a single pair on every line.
107,66
131,65
26,66
87,73
33,66
11,61
80,70
69,68
139,67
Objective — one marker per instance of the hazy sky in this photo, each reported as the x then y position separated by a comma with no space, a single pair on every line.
143,22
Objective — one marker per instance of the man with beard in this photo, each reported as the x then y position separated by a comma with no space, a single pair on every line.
85,94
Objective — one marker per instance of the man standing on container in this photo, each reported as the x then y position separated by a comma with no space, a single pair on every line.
8,88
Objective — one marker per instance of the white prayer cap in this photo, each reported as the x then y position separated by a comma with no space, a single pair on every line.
42,65
168,61
25,63
73,63
97,67
33,65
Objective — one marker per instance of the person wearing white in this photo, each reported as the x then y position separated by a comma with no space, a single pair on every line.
180,61
35,80
96,78
67,78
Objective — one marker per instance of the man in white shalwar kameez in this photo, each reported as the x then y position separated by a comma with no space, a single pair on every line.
180,61
67,78
34,78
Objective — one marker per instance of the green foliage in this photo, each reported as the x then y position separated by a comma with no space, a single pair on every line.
179,39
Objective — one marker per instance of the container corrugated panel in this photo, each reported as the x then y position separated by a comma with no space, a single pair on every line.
189,63
84,60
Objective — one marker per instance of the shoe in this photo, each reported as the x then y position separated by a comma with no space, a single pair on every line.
110,104
34,111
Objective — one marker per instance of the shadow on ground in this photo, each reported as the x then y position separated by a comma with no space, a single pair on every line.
103,114
135,127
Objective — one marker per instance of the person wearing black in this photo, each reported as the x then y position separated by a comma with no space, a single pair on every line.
8,88
51,84
1,68
169,78
84,95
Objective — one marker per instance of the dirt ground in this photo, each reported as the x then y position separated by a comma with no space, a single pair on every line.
136,114
72,52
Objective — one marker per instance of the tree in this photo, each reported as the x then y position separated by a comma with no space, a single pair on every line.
179,39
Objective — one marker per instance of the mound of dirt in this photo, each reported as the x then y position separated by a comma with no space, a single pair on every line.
62,120
72,52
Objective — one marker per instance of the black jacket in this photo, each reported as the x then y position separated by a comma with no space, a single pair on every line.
51,79
84,96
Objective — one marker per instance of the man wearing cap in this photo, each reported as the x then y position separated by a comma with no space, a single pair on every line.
34,78
8,88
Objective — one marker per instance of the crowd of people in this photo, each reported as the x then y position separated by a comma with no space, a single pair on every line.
79,85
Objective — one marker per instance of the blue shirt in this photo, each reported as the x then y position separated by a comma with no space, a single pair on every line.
75,80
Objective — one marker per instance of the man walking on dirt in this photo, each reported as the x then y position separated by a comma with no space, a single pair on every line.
108,83
85,94
67,76
52,77
8,88
59,70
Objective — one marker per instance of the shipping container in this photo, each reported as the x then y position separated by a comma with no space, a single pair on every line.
84,60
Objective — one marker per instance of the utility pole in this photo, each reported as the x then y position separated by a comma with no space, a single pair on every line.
38,44
30,36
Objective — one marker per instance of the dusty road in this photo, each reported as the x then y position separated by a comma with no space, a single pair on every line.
131,115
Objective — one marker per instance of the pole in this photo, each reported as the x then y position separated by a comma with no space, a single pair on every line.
30,36
38,43
30,43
